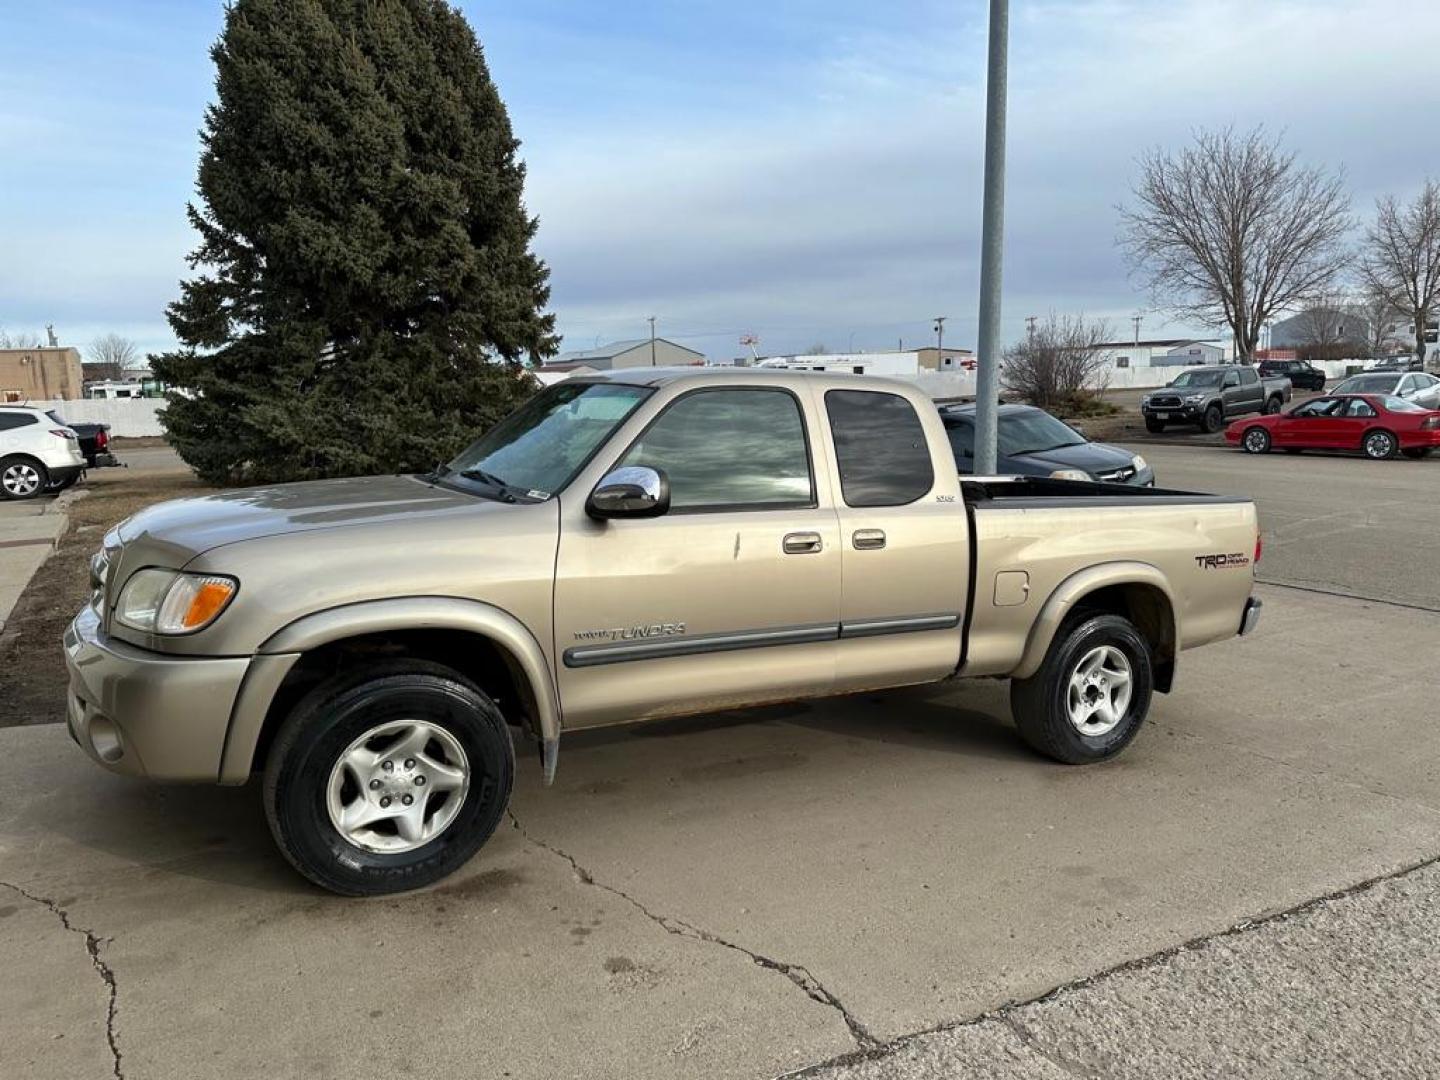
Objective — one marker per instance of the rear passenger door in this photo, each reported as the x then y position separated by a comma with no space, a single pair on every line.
905,545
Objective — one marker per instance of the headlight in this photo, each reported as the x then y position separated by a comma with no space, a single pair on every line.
168,602
1069,474
1194,399
1138,463
1144,401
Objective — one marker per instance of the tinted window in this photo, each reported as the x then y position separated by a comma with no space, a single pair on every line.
880,448
730,449
9,420
962,439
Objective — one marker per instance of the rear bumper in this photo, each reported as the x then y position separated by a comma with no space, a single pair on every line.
1251,617
142,714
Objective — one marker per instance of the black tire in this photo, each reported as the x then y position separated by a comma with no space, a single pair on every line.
22,477
1379,444
1255,440
1040,704
1273,406
1213,420
1154,426
329,720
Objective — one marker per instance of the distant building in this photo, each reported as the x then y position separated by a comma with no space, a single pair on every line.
908,362
1163,352
628,354
42,373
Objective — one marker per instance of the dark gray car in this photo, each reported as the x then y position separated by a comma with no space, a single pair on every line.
1034,443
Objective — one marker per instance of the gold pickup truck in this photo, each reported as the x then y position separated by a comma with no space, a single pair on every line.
627,546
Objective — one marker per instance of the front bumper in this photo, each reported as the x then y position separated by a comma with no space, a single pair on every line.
143,714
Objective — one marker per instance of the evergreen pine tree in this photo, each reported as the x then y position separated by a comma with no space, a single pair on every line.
365,296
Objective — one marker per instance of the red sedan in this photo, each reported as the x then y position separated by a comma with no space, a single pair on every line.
1377,425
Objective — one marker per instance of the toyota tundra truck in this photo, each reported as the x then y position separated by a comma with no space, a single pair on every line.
627,546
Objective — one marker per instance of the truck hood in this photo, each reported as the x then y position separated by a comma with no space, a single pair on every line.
188,527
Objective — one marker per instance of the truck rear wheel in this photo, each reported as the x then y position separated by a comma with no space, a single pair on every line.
388,779
1090,695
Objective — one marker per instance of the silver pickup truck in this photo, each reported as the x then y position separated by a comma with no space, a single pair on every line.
626,546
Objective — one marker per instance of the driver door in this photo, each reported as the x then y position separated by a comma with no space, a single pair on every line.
730,598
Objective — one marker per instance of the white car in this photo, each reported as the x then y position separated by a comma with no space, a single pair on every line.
36,453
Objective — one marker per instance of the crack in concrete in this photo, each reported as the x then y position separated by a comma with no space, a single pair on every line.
93,944
1004,1012
1032,1044
798,974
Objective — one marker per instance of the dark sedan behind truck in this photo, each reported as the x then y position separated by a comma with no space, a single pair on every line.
1034,443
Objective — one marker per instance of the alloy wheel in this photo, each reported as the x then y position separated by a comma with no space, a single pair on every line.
398,786
1099,691
20,480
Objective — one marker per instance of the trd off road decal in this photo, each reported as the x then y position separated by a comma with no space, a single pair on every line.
1219,562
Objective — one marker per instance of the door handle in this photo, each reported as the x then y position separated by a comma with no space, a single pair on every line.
868,539
802,543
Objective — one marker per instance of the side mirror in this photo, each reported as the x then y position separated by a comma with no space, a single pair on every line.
635,491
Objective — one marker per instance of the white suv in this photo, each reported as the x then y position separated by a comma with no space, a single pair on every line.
36,453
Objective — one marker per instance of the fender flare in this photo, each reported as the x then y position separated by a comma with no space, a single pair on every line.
279,652
1075,588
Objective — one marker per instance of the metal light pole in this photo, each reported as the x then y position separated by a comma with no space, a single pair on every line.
987,374
940,341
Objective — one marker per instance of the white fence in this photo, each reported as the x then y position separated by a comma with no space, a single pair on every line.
128,417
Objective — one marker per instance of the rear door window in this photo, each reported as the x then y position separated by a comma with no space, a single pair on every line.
880,448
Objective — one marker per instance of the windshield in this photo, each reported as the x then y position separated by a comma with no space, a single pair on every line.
1368,384
1199,378
1033,432
536,450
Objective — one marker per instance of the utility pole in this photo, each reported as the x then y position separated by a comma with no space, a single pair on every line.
1030,325
992,243
940,341
652,340
1137,320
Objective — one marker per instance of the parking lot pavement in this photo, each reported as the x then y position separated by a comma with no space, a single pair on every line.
1329,521
735,895
1347,987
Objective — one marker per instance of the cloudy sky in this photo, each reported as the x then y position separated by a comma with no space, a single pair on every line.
804,170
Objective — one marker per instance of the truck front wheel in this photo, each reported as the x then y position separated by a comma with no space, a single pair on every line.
389,779
1090,695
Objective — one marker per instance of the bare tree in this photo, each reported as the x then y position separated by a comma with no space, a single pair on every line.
1059,361
109,355
1401,261
1232,231
1331,327
1378,319
18,341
